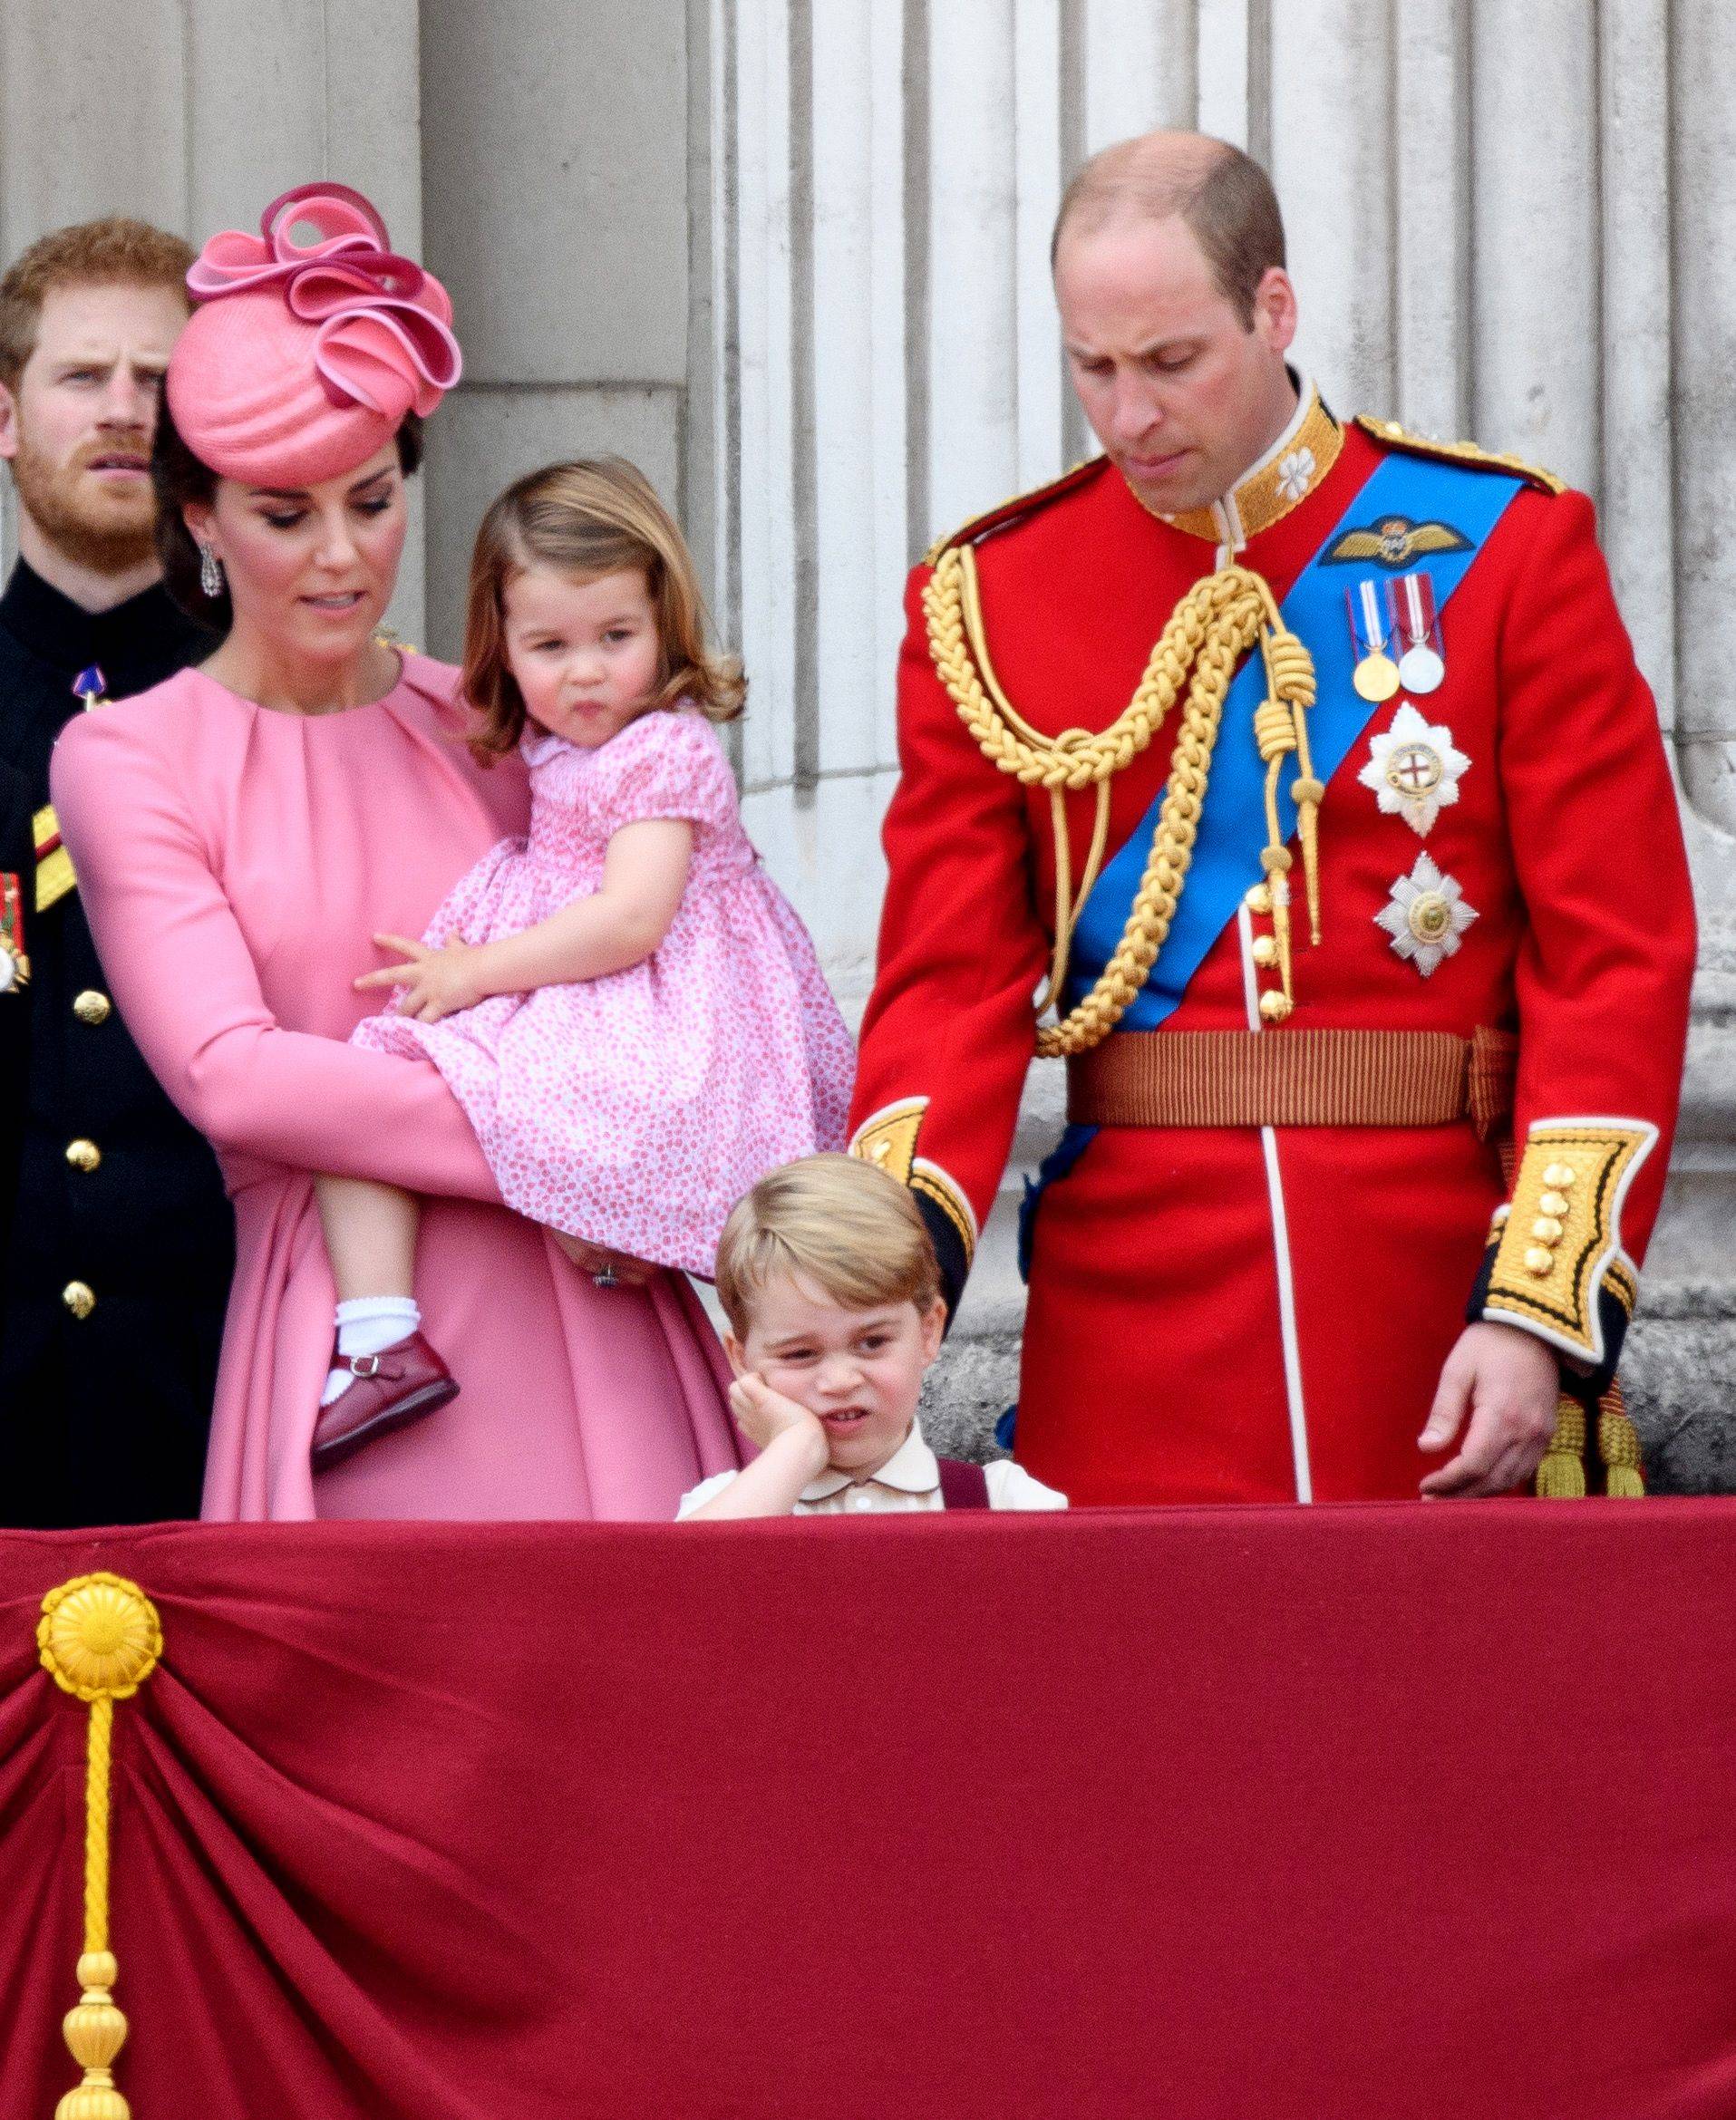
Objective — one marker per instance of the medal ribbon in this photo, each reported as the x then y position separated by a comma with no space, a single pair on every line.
1232,829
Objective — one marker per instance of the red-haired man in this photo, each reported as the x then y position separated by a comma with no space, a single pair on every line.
118,1238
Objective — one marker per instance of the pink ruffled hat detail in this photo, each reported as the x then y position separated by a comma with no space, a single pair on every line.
302,359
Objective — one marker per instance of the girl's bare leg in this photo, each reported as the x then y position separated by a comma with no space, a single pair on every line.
370,1236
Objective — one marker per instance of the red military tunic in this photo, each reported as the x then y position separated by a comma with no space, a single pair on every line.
1261,1313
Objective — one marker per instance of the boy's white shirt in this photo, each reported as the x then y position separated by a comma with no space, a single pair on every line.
909,1479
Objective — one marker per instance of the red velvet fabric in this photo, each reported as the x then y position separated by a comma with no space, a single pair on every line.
1413,1812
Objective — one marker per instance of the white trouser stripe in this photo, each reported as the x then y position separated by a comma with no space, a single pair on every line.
1280,1244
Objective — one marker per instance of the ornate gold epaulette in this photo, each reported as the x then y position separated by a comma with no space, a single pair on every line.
1020,504
1458,452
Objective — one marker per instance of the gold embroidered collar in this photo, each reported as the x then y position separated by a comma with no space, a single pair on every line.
1284,476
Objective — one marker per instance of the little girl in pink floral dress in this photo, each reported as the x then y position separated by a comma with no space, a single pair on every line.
627,1008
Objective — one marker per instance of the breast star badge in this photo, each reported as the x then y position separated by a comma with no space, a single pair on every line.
1425,915
1414,769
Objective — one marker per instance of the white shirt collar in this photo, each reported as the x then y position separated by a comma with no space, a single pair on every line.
912,1469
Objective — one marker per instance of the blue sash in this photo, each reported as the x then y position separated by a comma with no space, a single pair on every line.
1232,830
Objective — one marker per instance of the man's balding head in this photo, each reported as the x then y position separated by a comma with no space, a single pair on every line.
1177,312
1224,197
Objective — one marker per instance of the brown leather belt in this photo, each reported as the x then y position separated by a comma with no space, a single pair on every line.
1294,1078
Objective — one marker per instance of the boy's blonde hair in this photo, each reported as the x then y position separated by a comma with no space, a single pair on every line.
596,515
835,1221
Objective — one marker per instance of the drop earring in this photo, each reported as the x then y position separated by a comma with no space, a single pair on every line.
211,573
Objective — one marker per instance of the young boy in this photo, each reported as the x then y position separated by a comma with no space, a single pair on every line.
830,1285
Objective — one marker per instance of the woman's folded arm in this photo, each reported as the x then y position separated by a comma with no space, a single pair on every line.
185,983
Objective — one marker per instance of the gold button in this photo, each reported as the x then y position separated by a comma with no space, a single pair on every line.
1552,1203
91,1007
1560,1177
79,1297
1539,1260
1274,1007
84,1155
1258,900
1265,951
1547,1229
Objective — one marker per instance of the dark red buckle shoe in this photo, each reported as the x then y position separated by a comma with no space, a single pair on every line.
392,1388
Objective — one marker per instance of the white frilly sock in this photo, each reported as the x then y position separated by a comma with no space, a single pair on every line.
369,1325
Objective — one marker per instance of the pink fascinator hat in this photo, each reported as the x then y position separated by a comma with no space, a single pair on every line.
302,359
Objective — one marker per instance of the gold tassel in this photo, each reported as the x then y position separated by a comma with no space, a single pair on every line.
1619,1445
1290,678
1275,734
100,1640
1561,1477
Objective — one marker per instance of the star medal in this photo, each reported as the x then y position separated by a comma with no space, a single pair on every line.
15,964
90,688
1422,666
1425,915
1376,675
1414,769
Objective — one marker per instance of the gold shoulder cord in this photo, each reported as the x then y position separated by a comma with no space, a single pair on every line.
1207,632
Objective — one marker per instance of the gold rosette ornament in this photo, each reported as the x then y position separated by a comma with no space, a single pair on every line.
100,1640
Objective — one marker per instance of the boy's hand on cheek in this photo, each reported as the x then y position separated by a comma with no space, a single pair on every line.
765,1414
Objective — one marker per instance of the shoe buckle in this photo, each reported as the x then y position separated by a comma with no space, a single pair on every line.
364,1365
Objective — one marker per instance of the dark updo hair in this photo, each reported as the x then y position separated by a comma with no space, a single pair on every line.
177,476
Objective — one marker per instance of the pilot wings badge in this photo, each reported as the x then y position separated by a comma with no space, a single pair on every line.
1393,542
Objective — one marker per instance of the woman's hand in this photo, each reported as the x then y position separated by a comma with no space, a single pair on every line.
436,983
629,1272
763,1414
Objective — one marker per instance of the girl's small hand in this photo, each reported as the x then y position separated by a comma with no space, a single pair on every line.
764,1413
436,983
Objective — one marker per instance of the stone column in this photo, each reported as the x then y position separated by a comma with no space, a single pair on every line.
555,189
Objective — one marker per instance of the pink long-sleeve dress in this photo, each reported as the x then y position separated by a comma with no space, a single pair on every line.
235,863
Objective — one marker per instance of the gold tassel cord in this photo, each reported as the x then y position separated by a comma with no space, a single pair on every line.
1213,625
1290,682
1561,1474
100,1640
1619,1445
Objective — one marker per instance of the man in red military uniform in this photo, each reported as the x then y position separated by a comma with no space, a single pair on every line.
1310,762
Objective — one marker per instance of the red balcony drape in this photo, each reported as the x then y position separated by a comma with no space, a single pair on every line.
1409,1812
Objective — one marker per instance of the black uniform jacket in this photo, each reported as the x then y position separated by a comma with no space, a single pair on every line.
119,1243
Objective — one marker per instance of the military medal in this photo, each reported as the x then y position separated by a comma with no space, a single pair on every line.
1425,915
1414,769
1422,666
14,965
1376,675
90,688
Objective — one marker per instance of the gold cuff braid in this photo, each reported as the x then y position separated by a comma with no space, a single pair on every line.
889,1138
1560,1243
1207,632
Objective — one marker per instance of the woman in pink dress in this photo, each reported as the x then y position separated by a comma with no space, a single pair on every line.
242,830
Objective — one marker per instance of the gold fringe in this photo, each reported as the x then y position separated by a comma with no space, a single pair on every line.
1619,1445
1561,1477
1397,436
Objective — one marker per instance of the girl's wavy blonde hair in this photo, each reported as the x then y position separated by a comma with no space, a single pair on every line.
596,515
